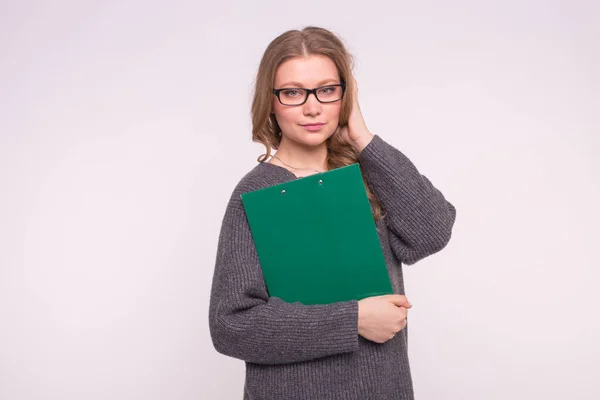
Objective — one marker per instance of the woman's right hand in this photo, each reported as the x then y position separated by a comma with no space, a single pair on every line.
381,317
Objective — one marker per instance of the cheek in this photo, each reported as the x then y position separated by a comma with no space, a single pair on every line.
334,111
285,115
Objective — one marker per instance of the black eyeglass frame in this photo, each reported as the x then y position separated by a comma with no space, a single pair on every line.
309,91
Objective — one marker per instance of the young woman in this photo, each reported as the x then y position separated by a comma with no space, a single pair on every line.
306,107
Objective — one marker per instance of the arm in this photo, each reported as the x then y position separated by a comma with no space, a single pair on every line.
419,219
418,216
246,323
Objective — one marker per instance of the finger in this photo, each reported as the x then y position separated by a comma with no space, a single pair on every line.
403,312
353,83
399,300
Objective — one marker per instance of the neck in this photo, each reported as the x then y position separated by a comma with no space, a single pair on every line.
301,156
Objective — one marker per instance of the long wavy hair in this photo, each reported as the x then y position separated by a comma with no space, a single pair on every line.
295,43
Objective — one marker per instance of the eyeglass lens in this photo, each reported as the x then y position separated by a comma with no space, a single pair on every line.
324,94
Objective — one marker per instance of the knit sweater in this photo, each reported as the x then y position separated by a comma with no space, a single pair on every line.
313,352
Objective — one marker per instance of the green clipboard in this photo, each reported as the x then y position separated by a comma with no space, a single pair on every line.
316,238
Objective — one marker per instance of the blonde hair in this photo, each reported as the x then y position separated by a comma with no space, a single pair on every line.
295,43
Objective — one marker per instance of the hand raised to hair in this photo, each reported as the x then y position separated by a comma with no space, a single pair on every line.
355,133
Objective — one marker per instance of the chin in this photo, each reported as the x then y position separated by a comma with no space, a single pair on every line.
312,138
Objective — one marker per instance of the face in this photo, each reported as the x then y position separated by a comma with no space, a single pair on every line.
307,72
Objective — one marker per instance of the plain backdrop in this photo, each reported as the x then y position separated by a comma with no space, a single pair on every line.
124,127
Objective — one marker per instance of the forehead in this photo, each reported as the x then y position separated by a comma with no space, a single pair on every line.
308,71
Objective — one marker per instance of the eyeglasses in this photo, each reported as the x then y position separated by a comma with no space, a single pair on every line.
298,96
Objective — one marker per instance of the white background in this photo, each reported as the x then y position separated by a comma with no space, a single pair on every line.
124,127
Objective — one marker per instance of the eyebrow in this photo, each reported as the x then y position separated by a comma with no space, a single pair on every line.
299,85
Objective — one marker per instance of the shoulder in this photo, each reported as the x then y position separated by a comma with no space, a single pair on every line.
261,176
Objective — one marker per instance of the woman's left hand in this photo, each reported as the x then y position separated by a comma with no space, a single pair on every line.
355,133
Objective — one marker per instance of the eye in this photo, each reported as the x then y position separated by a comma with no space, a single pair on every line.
327,89
291,92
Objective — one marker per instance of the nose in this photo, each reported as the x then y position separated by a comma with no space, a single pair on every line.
312,105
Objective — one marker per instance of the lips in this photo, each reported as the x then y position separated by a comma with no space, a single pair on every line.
315,127
314,124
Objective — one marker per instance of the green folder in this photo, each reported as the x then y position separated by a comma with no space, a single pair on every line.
316,238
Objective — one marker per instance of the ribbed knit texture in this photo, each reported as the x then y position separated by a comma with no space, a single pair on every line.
298,352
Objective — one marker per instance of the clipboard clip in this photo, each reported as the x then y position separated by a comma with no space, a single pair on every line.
320,183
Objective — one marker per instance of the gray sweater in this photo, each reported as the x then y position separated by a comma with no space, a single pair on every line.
298,352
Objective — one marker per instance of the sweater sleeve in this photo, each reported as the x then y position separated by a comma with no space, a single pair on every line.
246,323
418,217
